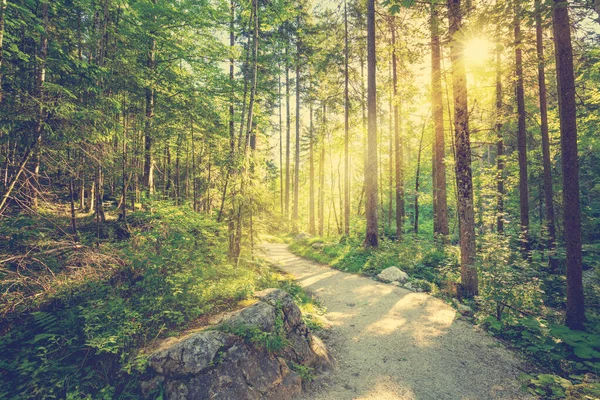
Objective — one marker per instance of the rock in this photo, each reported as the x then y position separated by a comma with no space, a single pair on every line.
393,274
408,286
214,364
301,236
462,308
317,245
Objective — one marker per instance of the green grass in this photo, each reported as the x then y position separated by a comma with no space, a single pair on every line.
74,323
421,259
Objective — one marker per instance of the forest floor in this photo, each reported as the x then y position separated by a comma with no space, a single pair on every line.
391,343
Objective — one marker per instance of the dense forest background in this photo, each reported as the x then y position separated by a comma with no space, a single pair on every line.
147,147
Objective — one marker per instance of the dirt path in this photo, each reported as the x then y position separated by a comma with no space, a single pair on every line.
390,343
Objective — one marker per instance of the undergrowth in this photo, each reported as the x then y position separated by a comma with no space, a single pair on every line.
74,316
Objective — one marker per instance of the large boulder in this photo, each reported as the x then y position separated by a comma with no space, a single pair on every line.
393,274
217,364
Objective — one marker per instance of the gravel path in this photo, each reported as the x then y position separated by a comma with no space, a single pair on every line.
390,343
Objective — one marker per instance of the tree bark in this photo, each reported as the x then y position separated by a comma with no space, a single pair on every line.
499,142
464,177
440,206
399,171
150,105
346,127
311,201
575,316
297,150
372,237
521,133
287,134
322,175
2,8
548,192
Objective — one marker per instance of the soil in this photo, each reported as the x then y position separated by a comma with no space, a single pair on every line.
391,343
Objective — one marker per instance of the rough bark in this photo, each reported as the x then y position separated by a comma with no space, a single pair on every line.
399,172
346,127
522,132
499,144
440,206
575,316
297,150
464,177
371,239
548,192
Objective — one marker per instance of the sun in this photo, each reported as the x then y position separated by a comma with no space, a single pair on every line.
477,51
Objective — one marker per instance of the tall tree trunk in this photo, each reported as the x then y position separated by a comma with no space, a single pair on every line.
346,127
464,175
548,192
2,8
575,317
287,134
311,156
322,175
372,238
397,141
522,132
150,105
297,151
280,149
440,206
499,141
417,176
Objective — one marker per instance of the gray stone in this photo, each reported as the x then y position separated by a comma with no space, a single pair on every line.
393,274
213,364
317,245
301,236
462,308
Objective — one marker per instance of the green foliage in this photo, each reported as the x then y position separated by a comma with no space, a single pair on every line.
85,341
305,372
508,284
271,341
421,259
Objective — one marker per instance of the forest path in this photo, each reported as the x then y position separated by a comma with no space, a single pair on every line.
390,343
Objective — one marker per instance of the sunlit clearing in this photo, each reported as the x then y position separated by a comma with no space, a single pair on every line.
477,51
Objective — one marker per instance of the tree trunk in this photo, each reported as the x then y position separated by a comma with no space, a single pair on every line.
499,142
463,153
417,176
311,156
521,133
150,104
397,142
346,128
548,192
287,135
575,317
371,239
440,206
297,151
2,8
280,149
322,175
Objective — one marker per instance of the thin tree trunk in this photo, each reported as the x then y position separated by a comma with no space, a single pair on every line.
575,317
297,151
2,8
499,142
440,206
322,175
280,148
372,237
399,171
346,127
311,156
548,192
150,104
521,133
463,153
417,176
287,135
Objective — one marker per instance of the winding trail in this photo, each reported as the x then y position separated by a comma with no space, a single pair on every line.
390,343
